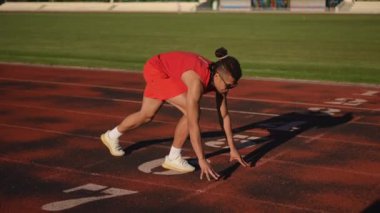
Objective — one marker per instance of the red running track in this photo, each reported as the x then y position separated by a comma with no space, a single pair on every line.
322,154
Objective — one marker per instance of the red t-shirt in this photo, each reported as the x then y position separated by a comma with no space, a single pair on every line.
163,73
174,64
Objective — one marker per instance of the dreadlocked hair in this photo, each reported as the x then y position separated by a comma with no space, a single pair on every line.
231,64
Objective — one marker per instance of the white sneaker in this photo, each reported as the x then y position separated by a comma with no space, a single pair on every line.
179,164
112,145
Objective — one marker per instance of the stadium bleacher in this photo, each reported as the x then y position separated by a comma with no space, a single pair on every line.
365,7
308,6
319,6
100,6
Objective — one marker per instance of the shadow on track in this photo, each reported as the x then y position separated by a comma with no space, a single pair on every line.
285,127
282,128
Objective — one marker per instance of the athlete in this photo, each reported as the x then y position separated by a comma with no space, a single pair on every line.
181,79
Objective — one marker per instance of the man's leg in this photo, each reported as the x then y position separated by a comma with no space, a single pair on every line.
146,114
181,133
174,160
148,110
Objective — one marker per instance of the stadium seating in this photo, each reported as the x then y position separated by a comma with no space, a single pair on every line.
351,6
100,7
346,6
310,5
366,7
235,5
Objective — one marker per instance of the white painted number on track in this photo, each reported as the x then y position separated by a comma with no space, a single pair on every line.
369,93
330,111
71,203
152,165
347,101
220,143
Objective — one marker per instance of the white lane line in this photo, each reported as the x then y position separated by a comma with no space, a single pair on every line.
76,135
304,104
349,171
93,174
174,122
139,102
205,127
214,184
166,105
208,96
190,191
367,123
263,161
155,120
139,73
242,112
70,84
48,131
62,110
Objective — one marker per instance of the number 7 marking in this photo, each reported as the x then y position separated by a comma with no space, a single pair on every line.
71,203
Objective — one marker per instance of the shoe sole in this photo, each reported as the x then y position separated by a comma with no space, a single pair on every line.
104,141
166,166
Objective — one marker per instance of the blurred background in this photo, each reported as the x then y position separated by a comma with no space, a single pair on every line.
328,40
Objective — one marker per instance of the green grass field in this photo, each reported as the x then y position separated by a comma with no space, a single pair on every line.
317,47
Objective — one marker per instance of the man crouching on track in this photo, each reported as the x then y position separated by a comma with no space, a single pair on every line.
181,79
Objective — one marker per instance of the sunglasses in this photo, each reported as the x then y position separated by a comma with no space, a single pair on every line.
228,86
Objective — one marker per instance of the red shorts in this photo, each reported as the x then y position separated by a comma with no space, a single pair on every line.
161,86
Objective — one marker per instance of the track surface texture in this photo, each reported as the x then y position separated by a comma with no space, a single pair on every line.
322,153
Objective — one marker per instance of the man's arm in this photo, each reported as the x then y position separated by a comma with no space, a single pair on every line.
194,93
225,123
224,118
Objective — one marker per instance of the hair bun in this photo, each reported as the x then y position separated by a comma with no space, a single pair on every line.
221,52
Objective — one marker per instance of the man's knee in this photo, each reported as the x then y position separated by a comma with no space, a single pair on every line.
147,117
184,114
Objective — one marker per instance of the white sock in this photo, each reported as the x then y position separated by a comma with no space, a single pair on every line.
174,153
114,134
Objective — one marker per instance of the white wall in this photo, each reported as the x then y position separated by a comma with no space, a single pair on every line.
308,5
101,7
